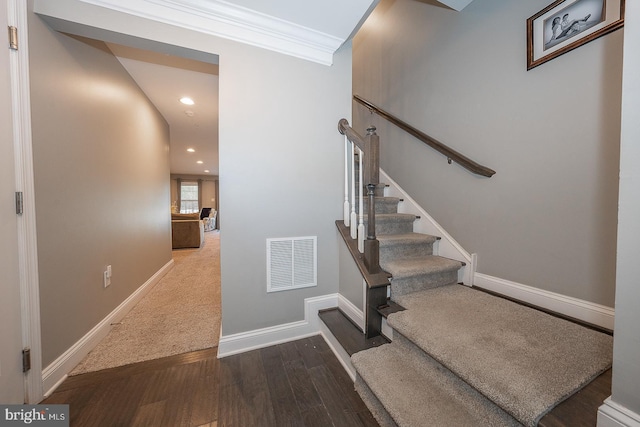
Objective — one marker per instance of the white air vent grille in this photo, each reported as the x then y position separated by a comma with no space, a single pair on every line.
291,263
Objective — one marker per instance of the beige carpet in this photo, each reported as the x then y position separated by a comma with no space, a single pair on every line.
180,314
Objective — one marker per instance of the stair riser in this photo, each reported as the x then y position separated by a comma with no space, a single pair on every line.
383,206
375,406
407,285
391,227
405,250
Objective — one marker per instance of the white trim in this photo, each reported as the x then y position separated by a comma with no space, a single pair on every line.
447,246
351,311
310,326
27,242
612,414
579,309
54,374
237,23
386,330
265,337
340,353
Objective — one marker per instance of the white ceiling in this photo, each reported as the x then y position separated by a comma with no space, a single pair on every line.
165,79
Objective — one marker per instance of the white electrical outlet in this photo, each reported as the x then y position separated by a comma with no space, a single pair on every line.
106,275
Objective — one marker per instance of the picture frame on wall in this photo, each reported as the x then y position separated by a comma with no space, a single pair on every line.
567,24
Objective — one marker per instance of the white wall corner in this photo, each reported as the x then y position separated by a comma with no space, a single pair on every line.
456,4
265,337
54,374
611,414
586,311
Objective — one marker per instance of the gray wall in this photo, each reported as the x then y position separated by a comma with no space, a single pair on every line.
280,176
351,286
548,217
280,156
101,171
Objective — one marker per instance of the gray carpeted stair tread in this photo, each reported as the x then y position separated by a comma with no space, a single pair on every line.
406,238
524,360
410,275
430,264
406,389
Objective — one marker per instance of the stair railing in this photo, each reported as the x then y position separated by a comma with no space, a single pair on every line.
364,249
368,150
451,154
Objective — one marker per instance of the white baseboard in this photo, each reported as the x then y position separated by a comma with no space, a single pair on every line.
260,338
311,325
579,309
611,414
351,311
342,356
54,374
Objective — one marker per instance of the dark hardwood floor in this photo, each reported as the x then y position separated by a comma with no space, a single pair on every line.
581,409
298,383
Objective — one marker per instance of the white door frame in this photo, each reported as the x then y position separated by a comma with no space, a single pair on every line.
27,242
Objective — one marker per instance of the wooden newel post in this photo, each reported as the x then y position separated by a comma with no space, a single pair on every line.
371,228
372,166
371,245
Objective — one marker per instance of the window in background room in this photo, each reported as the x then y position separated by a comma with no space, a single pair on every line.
189,197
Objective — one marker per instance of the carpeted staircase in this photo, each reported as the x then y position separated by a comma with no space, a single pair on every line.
459,356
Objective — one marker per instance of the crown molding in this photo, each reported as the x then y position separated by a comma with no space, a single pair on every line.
226,20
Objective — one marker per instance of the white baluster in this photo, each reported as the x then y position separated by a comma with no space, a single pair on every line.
354,218
346,213
361,209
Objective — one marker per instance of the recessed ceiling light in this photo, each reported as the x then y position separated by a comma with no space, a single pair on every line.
191,150
206,171
187,101
199,162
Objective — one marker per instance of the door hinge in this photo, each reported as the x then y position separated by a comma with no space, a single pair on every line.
13,38
19,203
26,360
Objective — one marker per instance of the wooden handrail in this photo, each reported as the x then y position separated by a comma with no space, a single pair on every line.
345,129
451,154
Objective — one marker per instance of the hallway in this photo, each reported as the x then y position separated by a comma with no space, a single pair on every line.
180,314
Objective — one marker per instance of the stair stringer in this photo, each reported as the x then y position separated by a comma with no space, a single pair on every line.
447,246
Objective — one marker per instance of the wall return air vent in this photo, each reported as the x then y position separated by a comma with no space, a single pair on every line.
291,263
